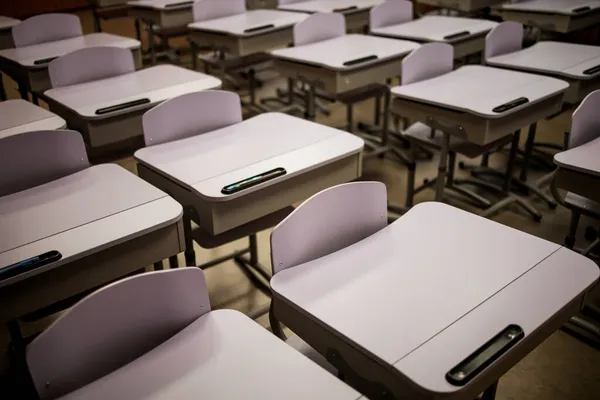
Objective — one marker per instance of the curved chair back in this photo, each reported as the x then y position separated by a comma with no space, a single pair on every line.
190,115
505,38
391,13
329,221
33,158
46,28
319,27
426,62
585,122
113,326
205,10
90,64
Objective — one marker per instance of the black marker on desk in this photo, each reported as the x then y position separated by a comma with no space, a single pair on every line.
511,104
29,264
592,71
253,181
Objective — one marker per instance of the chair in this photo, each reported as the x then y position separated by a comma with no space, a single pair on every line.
391,13
426,62
90,64
46,28
194,114
585,127
38,157
113,326
329,221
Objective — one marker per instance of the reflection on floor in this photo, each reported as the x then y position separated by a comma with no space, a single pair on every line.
561,368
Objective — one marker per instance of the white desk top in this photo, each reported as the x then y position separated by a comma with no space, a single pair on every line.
555,58
7,23
162,5
315,6
566,7
222,355
206,163
439,282
583,158
435,28
18,116
333,53
478,89
158,83
236,25
26,56
80,213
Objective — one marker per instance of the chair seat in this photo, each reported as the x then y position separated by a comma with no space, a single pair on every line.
584,204
302,347
421,134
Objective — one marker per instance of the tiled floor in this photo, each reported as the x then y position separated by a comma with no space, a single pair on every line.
561,368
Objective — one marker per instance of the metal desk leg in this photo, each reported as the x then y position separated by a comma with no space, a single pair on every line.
158,266
442,168
138,30
490,393
173,262
528,152
190,254
151,44
23,91
2,90
275,325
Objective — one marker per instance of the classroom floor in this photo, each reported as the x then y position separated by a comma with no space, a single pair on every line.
559,369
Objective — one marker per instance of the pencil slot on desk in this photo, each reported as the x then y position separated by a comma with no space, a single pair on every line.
581,9
592,71
259,28
484,356
122,106
510,105
457,35
29,264
253,181
360,60
344,9
44,60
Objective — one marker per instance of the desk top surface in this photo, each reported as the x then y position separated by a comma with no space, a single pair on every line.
436,28
567,7
26,56
314,6
478,89
333,53
16,115
582,158
237,25
75,200
556,58
162,5
158,83
208,162
7,22
419,278
222,355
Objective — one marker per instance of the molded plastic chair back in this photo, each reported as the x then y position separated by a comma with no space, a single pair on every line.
585,122
391,13
190,115
505,38
329,221
426,62
319,27
113,326
90,64
205,10
33,158
46,28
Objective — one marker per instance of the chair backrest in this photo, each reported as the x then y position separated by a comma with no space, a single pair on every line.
90,64
191,114
46,28
113,326
504,38
585,122
205,10
427,61
329,221
391,13
319,27
33,158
